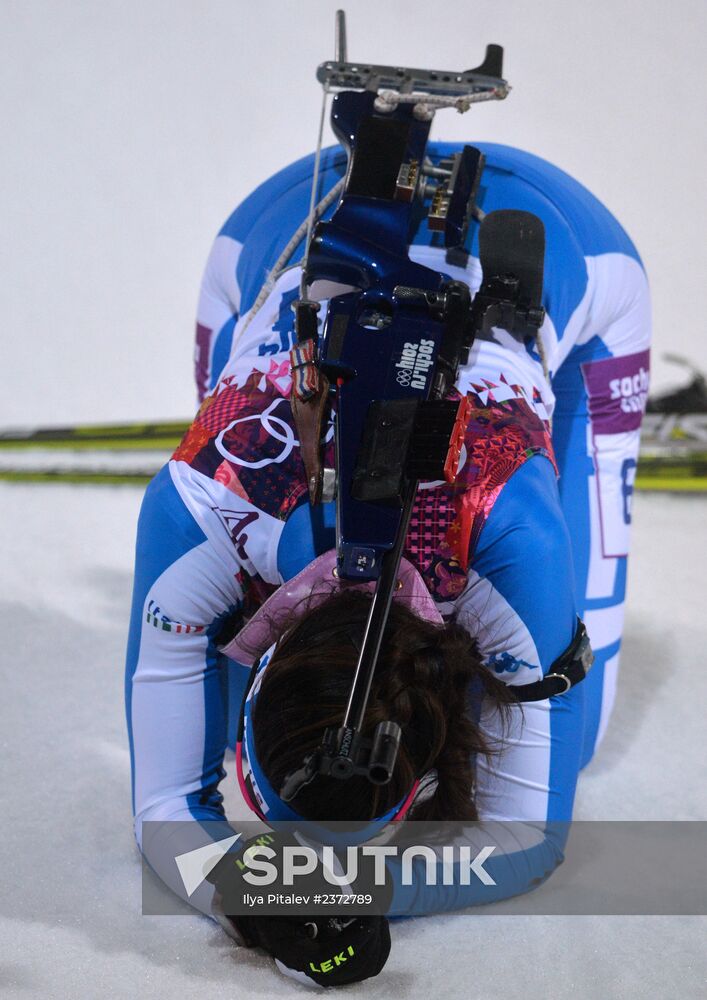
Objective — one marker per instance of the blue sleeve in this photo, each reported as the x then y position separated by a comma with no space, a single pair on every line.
525,553
176,683
520,605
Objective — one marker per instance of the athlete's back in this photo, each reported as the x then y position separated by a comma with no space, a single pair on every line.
584,245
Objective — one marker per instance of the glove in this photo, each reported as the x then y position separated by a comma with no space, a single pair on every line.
328,951
324,950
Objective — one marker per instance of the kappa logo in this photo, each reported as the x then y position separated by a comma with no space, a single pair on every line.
416,359
505,662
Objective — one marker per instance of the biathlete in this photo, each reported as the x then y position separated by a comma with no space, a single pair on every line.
532,536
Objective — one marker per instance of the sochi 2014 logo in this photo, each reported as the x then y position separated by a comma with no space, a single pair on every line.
632,390
416,359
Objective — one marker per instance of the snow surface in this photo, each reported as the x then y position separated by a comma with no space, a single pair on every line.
70,921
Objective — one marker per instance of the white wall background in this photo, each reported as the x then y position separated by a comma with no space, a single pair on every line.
131,128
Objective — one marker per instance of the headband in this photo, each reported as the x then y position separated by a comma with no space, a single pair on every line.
310,588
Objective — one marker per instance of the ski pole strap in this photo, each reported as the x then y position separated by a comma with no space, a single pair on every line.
569,669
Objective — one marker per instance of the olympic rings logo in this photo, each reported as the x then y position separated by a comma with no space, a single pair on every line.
404,377
285,435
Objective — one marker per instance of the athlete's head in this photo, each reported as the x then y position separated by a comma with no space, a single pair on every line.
429,680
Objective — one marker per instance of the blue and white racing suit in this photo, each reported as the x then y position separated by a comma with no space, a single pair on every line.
548,548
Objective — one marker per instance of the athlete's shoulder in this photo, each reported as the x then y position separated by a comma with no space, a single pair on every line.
289,186
530,179
264,222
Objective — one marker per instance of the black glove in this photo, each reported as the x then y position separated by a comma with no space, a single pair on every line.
330,951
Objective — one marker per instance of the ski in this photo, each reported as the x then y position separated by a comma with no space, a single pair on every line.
98,477
164,435
673,453
81,465
663,434
681,470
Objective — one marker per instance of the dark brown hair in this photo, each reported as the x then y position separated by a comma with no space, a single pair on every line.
429,680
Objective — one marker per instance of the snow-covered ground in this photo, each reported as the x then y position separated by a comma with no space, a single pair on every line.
70,921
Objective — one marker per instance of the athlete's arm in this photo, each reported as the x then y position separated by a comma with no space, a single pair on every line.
519,604
175,699
224,280
217,312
